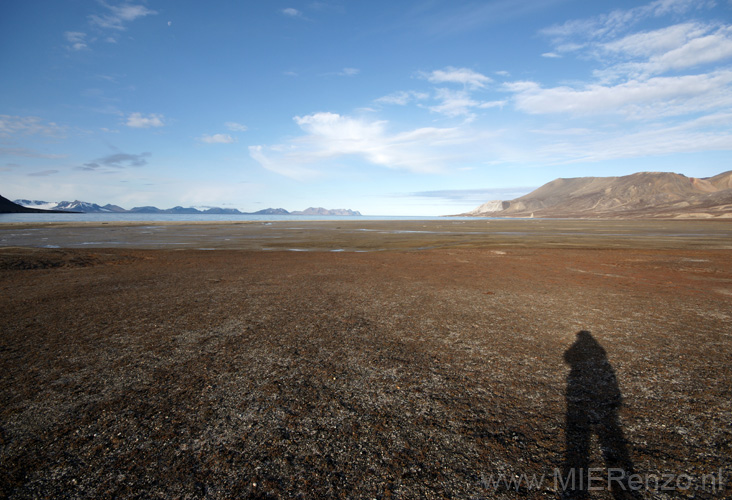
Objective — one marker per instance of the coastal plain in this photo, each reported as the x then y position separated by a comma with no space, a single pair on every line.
357,359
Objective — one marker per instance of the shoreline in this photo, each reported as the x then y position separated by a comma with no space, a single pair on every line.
372,235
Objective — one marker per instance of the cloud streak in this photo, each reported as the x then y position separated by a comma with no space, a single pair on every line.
291,12
217,139
29,153
116,161
44,173
236,127
138,120
467,77
11,125
652,98
118,15
77,40
475,195
330,136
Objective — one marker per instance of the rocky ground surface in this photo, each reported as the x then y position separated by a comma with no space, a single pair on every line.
400,374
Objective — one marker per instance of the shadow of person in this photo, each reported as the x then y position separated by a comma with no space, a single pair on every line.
593,399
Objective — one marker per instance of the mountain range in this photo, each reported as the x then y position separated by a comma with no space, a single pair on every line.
86,207
640,195
8,207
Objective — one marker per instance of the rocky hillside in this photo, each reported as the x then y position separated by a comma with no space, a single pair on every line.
645,194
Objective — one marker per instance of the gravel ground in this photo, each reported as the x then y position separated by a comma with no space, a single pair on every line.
400,374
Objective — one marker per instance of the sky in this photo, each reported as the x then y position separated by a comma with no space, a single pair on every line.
426,108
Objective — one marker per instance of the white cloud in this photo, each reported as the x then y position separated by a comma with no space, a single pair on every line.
77,40
612,24
402,97
349,72
462,17
119,15
236,127
675,48
217,139
704,134
137,120
551,55
454,103
29,153
587,33
653,98
291,12
644,75
288,169
29,125
329,136
465,76
651,43
492,104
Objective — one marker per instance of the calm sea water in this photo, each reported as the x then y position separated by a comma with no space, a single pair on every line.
111,217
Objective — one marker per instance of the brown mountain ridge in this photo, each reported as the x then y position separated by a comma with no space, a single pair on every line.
640,195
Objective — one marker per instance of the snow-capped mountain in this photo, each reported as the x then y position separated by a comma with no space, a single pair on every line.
83,206
42,205
80,206
70,206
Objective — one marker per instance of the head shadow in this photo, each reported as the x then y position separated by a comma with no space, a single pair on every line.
593,400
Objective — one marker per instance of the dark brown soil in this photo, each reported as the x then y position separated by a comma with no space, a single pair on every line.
240,374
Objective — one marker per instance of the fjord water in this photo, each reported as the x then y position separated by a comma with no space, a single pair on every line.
138,217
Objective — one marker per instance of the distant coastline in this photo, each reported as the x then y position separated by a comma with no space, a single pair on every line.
77,206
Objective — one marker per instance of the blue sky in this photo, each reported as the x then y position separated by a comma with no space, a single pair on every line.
401,108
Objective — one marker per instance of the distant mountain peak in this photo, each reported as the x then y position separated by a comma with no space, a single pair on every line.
327,212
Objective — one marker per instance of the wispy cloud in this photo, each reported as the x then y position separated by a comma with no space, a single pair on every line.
43,173
467,77
118,15
349,72
454,103
447,101
116,161
664,72
709,133
138,120
675,48
236,127
29,153
652,98
291,12
475,195
107,25
402,97
11,125
451,102
217,139
577,34
77,40
329,136
478,15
